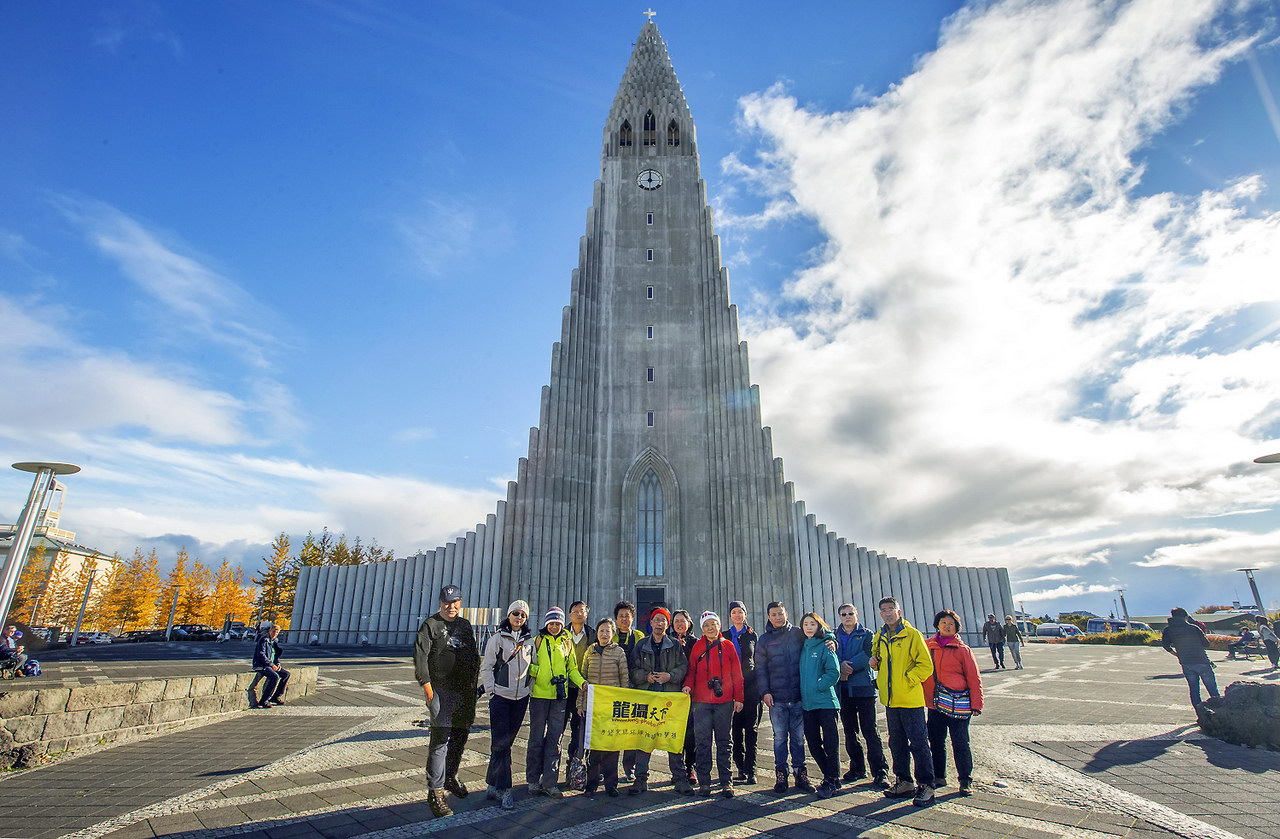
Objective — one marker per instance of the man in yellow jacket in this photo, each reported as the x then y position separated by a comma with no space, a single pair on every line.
902,663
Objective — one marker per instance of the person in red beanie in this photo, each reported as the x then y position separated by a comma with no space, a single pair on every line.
714,683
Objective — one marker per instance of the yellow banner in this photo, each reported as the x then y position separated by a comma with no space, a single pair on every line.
647,720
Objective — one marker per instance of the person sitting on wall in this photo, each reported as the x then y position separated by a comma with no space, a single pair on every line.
11,652
266,662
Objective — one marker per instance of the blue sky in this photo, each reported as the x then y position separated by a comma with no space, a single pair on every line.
1007,269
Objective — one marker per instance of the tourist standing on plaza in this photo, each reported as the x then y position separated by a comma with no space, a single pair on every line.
504,674
778,677
819,673
604,663
1188,642
554,669
746,723
682,633
446,662
1013,639
1267,633
953,694
624,615
582,637
902,664
993,634
658,663
266,660
857,693
714,683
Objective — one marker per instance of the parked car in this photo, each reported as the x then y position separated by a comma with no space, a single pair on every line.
194,632
134,636
94,638
1058,630
1096,625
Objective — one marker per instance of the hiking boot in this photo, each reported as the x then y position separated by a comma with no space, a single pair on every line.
704,790
612,792
491,793
439,806
683,787
802,780
966,788
780,785
456,787
553,791
535,789
726,791
939,783
900,790
880,782
924,796
824,790
508,799
638,786
854,775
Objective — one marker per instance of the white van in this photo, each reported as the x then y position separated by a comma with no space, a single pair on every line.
1058,630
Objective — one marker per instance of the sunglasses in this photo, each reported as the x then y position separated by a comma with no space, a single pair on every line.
521,614
847,614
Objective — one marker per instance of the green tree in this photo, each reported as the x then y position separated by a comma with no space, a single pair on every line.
309,552
276,582
195,594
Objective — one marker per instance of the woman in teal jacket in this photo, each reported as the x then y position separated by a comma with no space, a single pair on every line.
819,673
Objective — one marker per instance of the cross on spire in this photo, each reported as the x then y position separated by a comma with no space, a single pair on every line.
649,14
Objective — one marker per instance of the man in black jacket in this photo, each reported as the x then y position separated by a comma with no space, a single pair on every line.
266,662
659,663
446,662
777,666
1188,642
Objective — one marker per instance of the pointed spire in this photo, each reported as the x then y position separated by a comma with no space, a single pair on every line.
650,84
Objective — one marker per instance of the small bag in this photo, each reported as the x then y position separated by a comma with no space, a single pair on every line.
31,668
951,703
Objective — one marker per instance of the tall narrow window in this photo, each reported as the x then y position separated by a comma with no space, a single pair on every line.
649,526
648,374
648,332
650,129
624,134
648,254
673,134
648,292
648,419
648,218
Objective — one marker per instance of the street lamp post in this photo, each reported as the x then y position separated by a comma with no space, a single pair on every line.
1253,585
1123,607
173,610
43,484
88,587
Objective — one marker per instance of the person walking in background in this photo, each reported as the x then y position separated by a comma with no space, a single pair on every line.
1013,639
902,664
582,637
266,660
446,663
504,675
682,633
952,694
554,668
624,615
746,723
1267,633
658,663
857,693
819,673
604,663
993,634
714,683
1188,642
778,676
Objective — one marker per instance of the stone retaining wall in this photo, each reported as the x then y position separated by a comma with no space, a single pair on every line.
51,720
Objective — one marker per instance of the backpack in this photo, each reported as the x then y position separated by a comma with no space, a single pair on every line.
31,668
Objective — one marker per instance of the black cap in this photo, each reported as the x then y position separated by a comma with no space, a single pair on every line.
450,593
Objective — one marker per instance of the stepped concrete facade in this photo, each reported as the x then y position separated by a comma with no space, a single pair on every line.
650,476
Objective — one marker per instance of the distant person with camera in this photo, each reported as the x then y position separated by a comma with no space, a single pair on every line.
714,683
446,662
554,669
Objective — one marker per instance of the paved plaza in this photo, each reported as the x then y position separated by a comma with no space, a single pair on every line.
1090,742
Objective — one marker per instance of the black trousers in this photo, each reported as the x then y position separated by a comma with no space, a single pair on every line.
858,714
746,731
505,718
712,720
824,743
602,764
276,680
574,722
940,725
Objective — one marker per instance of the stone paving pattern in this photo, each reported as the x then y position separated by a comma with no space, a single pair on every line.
345,762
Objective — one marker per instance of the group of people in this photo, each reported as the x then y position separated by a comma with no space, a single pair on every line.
1000,635
813,679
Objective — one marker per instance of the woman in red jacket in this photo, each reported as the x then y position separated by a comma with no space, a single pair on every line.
714,683
952,694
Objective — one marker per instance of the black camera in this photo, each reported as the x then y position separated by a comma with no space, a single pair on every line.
716,685
562,692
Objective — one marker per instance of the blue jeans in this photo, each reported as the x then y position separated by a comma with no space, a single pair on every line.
787,719
1196,672
909,738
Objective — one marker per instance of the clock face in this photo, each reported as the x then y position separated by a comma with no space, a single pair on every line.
649,179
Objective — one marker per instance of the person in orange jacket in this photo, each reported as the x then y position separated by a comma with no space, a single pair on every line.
953,695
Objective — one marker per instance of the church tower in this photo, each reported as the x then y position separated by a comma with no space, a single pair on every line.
649,476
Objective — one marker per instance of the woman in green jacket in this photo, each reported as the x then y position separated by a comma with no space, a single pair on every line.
819,673
554,668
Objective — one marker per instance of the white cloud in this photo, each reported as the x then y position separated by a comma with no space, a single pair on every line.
1005,353
440,237
1228,552
1076,590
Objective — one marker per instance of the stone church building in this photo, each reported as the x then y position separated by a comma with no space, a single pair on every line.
650,476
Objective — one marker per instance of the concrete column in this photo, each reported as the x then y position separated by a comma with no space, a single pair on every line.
911,570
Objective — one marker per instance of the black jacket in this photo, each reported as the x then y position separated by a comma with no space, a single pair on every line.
266,653
746,644
670,657
1186,639
777,662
